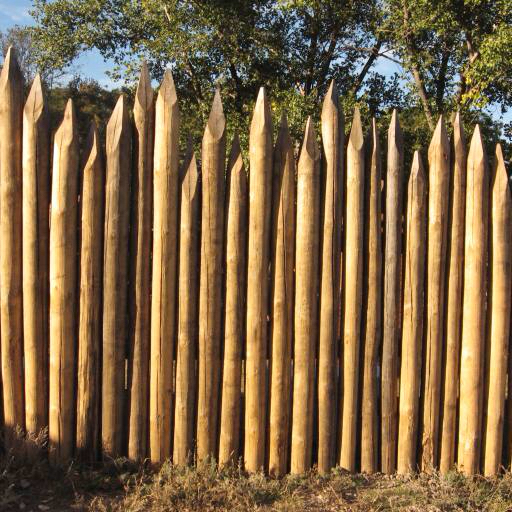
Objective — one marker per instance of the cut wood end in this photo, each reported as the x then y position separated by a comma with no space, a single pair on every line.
144,92
309,145
216,121
117,122
92,146
417,165
375,139
189,171
167,92
439,139
284,140
34,105
262,115
394,131
356,139
458,130
331,100
476,154
11,70
235,162
66,132
501,179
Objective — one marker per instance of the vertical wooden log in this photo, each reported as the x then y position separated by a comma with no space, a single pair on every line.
234,330
36,209
91,276
165,259
186,380
372,305
454,299
353,290
500,307
260,196
306,328
140,270
63,287
332,188
474,310
115,278
283,264
11,313
439,190
414,310
210,293
392,296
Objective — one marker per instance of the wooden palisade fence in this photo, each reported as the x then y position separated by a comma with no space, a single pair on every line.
327,311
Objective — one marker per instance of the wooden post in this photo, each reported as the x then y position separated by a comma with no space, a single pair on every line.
372,305
115,278
473,312
165,259
260,171
210,293
282,304
306,325
392,296
11,314
91,276
234,330
500,307
414,310
353,289
63,288
36,210
454,299
332,212
140,269
186,378
439,190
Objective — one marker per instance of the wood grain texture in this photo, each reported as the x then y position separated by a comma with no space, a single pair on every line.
63,288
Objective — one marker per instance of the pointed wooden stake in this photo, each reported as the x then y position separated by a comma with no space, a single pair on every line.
36,208
282,304
186,386
234,330
331,226
392,296
473,313
63,288
260,170
439,190
115,278
11,319
372,305
306,325
140,268
454,298
210,303
91,276
165,259
414,311
500,308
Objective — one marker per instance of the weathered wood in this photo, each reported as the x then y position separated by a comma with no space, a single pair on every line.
235,314
415,252
306,302
474,307
165,260
91,275
282,304
372,305
454,299
392,297
260,171
11,314
36,233
186,378
331,225
500,308
115,278
439,189
353,291
140,269
210,293
63,288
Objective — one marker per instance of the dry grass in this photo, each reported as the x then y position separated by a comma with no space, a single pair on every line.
121,486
